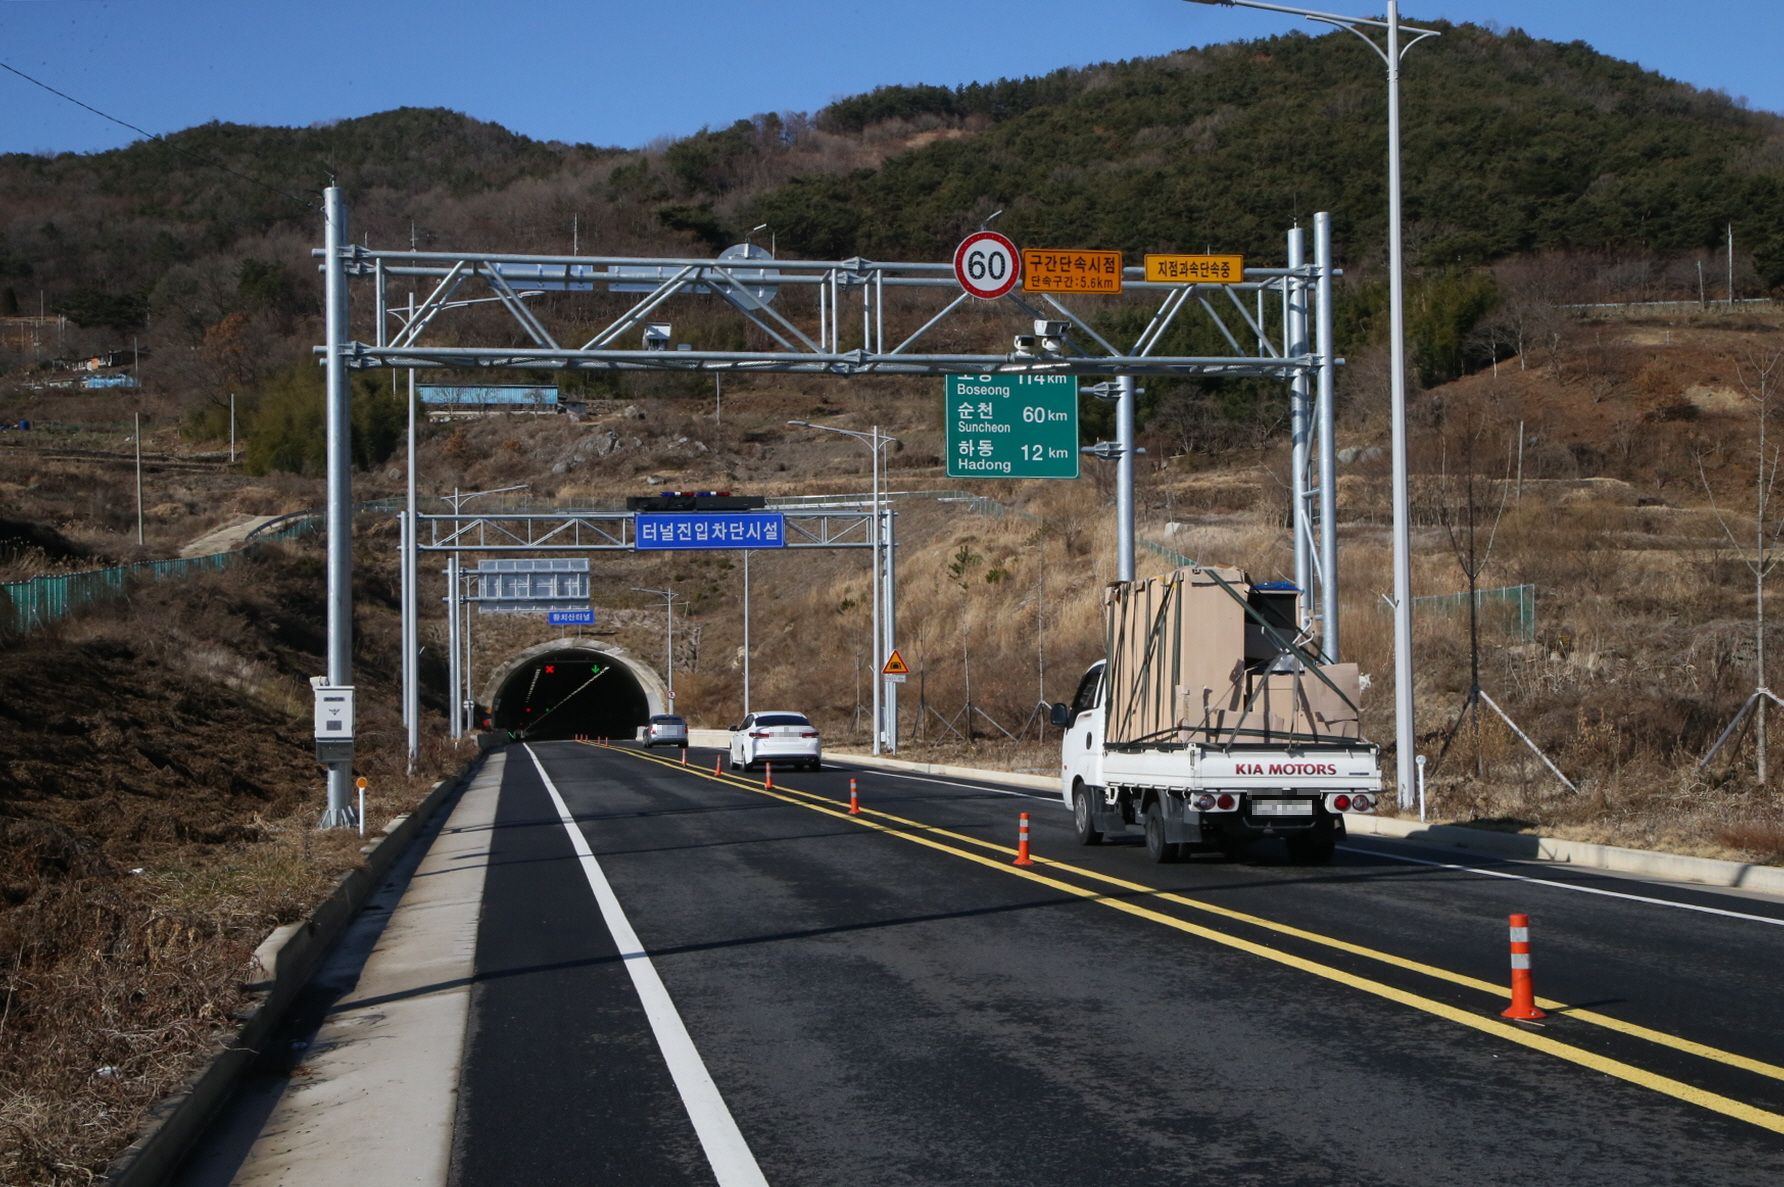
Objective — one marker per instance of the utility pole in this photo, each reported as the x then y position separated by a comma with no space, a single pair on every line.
139,536
232,428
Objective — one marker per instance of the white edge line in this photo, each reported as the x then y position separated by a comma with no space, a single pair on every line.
1640,898
727,1152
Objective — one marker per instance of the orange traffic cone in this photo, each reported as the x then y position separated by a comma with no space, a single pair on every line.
684,756
854,800
715,766
1022,858
1523,989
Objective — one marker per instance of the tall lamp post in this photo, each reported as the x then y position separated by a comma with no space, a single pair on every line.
885,696
457,634
1405,740
668,596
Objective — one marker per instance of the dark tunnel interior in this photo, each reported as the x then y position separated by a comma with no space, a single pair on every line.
564,693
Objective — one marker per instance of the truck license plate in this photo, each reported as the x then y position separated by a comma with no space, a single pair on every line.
1282,807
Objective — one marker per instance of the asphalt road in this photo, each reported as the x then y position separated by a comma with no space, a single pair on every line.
885,999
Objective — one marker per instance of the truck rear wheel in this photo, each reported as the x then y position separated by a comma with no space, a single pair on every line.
1081,818
1157,848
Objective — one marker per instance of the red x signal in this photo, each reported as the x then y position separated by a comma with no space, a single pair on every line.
550,669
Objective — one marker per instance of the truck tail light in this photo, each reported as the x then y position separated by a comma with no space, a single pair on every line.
1224,803
1360,803
1204,803
1341,803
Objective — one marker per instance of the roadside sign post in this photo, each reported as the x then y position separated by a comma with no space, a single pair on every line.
1012,426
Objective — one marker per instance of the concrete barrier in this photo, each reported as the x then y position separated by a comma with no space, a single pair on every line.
283,962
1007,778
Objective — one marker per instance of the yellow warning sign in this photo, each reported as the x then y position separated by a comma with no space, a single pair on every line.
895,666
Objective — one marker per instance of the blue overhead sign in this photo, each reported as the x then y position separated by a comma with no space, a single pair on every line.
710,529
571,617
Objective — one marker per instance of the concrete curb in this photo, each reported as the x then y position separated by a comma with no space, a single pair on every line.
285,960
1526,847
1008,778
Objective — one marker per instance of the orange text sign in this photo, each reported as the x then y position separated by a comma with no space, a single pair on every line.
1047,271
1176,269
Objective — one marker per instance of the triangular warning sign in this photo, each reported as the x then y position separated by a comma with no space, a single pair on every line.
895,666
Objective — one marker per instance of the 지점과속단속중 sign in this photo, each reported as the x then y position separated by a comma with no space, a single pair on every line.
709,529
1189,269
1012,426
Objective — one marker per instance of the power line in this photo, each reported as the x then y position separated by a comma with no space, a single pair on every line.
152,136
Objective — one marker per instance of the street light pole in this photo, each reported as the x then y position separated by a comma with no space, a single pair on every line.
458,636
1405,736
885,695
339,516
668,596
746,632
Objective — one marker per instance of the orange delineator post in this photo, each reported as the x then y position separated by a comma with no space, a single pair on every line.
715,765
1523,989
854,800
1022,842
769,780
684,756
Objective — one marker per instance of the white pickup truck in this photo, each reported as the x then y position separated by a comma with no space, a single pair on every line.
1212,724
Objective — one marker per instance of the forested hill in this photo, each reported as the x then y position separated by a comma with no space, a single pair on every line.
1511,145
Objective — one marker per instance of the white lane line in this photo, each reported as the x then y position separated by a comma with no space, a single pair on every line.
1640,898
730,1156
1027,795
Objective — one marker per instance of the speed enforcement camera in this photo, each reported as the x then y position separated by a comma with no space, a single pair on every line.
334,721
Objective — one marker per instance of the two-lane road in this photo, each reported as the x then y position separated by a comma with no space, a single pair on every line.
722,983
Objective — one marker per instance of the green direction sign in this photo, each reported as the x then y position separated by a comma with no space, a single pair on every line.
1012,426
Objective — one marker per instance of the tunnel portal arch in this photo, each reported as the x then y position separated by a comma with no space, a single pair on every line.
521,693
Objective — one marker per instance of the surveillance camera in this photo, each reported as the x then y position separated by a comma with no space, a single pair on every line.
1025,345
1052,329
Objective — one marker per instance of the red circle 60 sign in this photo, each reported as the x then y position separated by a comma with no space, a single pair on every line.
986,265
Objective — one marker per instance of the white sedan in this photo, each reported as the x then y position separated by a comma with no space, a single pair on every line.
788,738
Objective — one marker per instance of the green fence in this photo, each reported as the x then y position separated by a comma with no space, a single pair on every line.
27,605
1513,605
30,604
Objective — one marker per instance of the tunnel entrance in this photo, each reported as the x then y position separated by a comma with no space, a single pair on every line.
564,692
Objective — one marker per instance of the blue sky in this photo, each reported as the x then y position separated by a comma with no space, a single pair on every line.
624,74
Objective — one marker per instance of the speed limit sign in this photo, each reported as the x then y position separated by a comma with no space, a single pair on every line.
987,265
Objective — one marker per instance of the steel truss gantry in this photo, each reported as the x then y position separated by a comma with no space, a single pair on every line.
844,333
840,342
613,531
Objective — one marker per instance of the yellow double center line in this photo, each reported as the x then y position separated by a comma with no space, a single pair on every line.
928,836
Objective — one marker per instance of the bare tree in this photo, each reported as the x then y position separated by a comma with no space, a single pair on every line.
1758,379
